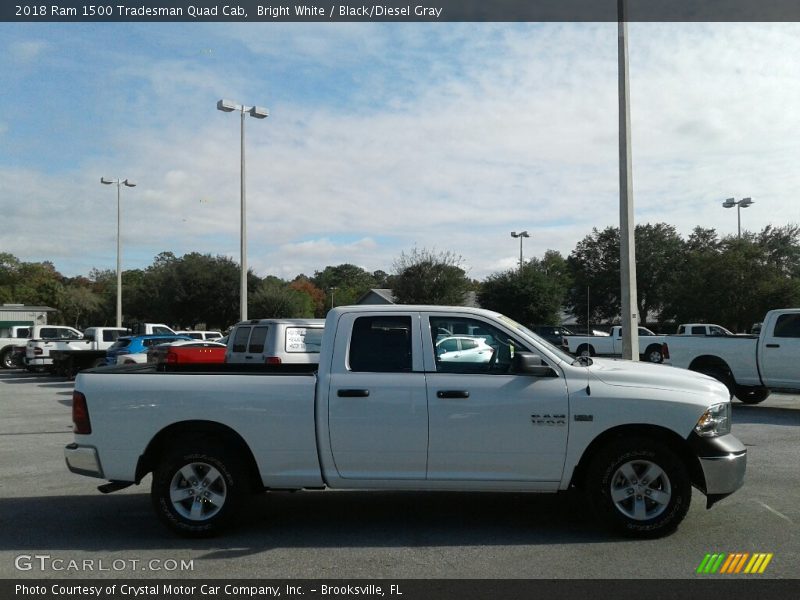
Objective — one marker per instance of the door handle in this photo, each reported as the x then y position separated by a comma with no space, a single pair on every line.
352,393
773,345
452,394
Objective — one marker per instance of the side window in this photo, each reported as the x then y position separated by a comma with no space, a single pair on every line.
111,335
788,326
240,339
681,330
381,345
257,338
48,333
304,339
68,334
698,330
485,349
716,331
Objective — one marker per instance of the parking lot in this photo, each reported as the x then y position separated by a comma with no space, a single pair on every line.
45,511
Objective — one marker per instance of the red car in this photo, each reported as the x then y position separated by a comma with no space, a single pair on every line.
187,352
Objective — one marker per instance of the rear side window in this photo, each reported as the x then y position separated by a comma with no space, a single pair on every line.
240,339
698,330
48,333
381,344
110,335
257,338
304,339
788,326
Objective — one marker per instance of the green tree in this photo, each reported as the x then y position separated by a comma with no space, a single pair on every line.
348,283
531,295
595,266
428,277
275,299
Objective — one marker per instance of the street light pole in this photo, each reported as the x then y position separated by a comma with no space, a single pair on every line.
259,113
127,183
520,235
740,204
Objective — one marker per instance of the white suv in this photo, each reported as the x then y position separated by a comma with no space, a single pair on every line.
275,341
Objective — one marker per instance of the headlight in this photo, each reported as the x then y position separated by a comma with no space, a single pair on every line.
715,421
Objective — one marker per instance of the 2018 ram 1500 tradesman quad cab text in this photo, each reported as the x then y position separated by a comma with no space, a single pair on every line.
385,410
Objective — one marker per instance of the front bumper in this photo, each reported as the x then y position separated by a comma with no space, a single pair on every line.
723,461
83,460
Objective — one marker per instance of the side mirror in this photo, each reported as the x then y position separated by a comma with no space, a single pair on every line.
532,364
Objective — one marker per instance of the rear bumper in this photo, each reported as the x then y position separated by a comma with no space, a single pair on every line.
83,460
723,461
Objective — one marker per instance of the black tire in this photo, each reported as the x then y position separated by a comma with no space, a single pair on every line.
751,394
7,360
585,350
210,486
653,354
639,488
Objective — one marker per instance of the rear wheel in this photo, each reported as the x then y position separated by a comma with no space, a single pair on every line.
639,487
653,354
751,394
197,490
7,359
722,376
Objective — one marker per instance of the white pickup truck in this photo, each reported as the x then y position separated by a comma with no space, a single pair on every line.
611,345
70,356
44,338
11,340
385,411
749,366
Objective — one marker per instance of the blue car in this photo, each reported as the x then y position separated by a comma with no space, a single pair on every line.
131,349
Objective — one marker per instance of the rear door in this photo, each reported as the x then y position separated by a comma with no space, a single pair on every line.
377,402
247,344
780,352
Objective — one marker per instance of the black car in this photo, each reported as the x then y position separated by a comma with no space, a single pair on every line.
552,333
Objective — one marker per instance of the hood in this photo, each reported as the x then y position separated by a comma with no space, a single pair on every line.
628,373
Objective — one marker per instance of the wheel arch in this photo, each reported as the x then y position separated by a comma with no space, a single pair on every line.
708,361
203,432
666,436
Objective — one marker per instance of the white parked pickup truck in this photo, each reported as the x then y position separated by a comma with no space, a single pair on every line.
611,345
749,366
45,338
384,411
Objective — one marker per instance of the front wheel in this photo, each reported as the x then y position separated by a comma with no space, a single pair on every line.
196,492
585,350
639,487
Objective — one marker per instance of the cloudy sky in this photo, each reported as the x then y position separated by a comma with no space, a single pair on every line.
383,137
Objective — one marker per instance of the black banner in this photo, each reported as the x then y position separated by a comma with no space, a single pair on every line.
402,10
408,589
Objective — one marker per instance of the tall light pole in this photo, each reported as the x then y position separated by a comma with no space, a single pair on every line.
259,113
333,289
120,183
739,204
520,235
627,241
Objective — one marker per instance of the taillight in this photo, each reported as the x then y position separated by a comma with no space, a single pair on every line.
273,360
665,351
172,358
80,414
38,351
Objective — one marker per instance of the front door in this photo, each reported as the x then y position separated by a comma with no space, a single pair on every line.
779,352
487,423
